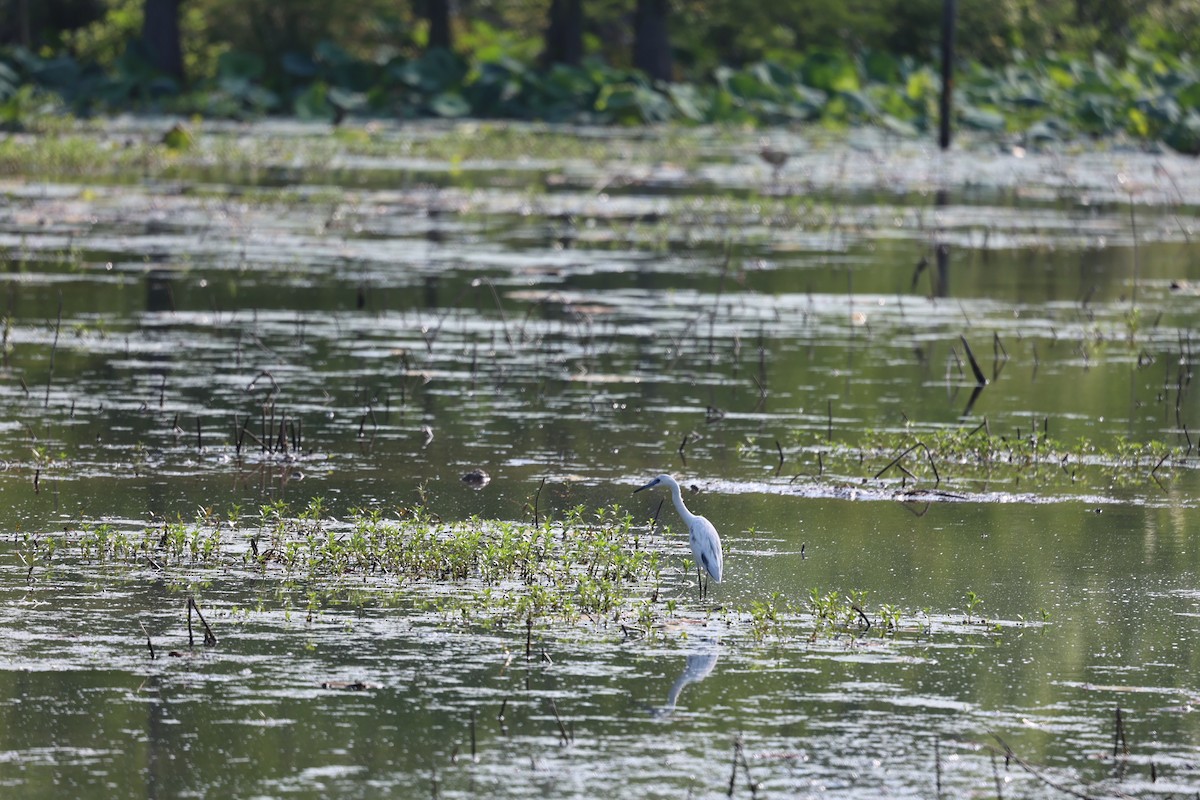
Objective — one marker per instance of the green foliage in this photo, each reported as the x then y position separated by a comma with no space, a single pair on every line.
1151,94
591,567
799,61
974,601
949,457
499,570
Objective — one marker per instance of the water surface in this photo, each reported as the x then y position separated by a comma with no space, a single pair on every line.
359,319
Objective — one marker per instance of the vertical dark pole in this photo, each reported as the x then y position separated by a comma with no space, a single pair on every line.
949,12
651,41
160,32
564,33
941,281
438,12
26,28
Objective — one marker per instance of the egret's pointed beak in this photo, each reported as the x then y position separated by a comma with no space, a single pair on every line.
647,486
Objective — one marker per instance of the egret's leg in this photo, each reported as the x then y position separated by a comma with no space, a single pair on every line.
700,582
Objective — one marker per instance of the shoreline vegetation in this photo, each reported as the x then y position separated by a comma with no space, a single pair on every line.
1145,88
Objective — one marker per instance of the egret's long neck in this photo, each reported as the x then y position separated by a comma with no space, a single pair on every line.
677,496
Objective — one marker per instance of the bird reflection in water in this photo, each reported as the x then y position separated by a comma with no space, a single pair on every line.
699,665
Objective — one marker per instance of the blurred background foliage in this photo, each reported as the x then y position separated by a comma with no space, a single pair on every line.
705,33
1042,68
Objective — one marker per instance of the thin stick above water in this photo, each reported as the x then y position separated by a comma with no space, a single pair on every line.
53,350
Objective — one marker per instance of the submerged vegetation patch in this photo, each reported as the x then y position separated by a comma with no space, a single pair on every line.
965,457
584,565
592,567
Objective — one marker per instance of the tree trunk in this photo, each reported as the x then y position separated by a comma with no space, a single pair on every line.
32,23
438,14
564,33
651,45
160,35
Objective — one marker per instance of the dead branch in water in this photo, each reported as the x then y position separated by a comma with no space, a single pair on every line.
210,638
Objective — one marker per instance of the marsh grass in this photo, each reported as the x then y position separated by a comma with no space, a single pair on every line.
591,570
961,456
588,565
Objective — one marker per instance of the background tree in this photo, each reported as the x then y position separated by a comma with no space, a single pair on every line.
438,14
651,44
704,34
160,37
33,23
564,33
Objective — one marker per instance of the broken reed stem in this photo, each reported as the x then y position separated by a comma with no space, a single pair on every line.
928,455
500,310
739,758
1120,744
473,756
1011,756
1159,464
980,380
657,511
210,638
983,426
562,729
537,495
239,433
1133,226
149,643
937,768
862,616
733,769
12,302
53,350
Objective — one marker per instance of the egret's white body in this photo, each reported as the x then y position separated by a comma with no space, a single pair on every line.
702,535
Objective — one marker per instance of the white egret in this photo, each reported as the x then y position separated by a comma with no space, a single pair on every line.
702,536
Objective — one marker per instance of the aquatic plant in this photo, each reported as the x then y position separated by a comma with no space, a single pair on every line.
592,566
974,601
940,457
